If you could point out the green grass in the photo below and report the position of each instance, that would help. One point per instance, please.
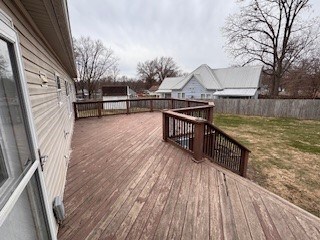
(285, 155)
(299, 134)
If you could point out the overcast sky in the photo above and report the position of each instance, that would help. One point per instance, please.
(139, 30)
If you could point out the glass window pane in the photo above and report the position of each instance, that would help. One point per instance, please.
(26, 220)
(14, 145)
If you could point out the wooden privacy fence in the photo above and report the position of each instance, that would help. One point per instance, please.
(201, 138)
(110, 107)
(290, 108)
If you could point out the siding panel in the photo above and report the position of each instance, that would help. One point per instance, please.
(193, 90)
(51, 120)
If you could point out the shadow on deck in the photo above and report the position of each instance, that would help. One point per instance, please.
(125, 182)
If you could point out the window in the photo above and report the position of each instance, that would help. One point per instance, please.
(15, 156)
(182, 95)
(203, 96)
(208, 96)
(58, 82)
(68, 97)
(67, 88)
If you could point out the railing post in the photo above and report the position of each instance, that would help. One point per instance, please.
(99, 109)
(128, 107)
(165, 126)
(244, 162)
(198, 140)
(151, 105)
(210, 117)
(188, 103)
(75, 111)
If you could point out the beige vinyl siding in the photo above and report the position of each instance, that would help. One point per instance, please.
(51, 119)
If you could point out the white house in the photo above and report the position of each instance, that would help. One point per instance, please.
(207, 83)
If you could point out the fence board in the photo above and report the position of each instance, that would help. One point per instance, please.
(290, 108)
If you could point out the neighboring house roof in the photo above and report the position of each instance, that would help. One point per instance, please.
(243, 92)
(217, 79)
(132, 93)
(52, 19)
(205, 77)
(168, 83)
(239, 77)
(114, 90)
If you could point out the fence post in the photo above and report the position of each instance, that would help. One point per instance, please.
(151, 105)
(128, 107)
(75, 111)
(244, 162)
(165, 125)
(99, 109)
(172, 103)
(198, 140)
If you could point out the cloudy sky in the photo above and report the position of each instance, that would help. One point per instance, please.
(139, 30)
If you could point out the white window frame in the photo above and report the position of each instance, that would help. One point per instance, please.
(208, 95)
(181, 95)
(203, 96)
(9, 34)
(68, 90)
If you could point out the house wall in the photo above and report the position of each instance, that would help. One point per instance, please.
(53, 120)
(193, 90)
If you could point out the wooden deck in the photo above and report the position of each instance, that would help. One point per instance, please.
(124, 182)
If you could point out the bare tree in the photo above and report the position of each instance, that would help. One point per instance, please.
(272, 32)
(115, 72)
(147, 72)
(94, 61)
(166, 67)
(303, 80)
(154, 71)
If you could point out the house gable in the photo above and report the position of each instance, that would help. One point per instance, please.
(192, 89)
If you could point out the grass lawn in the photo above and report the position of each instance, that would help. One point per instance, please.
(285, 157)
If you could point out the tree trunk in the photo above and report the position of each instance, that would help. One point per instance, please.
(82, 90)
(275, 85)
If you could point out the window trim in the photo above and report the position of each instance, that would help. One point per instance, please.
(59, 88)
(181, 95)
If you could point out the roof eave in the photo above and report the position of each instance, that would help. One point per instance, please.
(55, 33)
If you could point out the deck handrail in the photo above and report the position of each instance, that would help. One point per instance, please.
(121, 106)
(201, 138)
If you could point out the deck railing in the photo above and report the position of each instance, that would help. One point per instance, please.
(109, 107)
(197, 135)
(188, 124)
(224, 150)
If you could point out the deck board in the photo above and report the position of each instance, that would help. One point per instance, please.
(124, 182)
